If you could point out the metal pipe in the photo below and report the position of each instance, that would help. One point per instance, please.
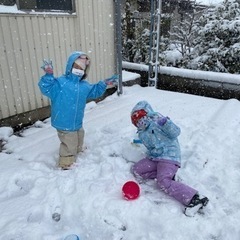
(119, 43)
(150, 71)
(154, 65)
(157, 64)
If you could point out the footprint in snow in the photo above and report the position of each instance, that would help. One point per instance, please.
(35, 215)
(25, 185)
(114, 222)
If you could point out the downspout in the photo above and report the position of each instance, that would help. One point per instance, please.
(118, 37)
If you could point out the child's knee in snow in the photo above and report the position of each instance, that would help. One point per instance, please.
(164, 184)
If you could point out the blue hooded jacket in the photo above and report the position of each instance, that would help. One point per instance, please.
(160, 140)
(69, 94)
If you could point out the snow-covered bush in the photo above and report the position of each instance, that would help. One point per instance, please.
(217, 48)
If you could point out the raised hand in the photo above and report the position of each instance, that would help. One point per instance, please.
(47, 66)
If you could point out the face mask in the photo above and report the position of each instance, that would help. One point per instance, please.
(77, 72)
(143, 123)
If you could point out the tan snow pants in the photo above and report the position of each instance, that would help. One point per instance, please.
(71, 144)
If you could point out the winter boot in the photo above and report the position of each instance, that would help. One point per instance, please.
(65, 163)
(196, 205)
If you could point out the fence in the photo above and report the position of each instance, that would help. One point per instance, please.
(208, 84)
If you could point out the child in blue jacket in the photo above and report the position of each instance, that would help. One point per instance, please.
(159, 135)
(69, 94)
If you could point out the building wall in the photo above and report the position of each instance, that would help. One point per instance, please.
(28, 38)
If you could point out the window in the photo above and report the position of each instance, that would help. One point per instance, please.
(47, 5)
(8, 2)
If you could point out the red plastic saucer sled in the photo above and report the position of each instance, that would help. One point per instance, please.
(130, 190)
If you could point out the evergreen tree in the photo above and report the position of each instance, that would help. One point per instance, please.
(217, 46)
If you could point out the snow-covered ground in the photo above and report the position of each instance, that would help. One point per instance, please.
(89, 197)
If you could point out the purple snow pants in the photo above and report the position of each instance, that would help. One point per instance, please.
(164, 172)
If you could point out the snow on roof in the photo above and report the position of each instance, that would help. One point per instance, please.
(9, 9)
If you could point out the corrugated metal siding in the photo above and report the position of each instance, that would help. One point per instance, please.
(96, 34)
(26, 39)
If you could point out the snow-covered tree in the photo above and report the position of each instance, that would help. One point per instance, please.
(127, 32)
(135, 37)
(183, 34)
(181, 17)
(217, 46)
(141, 45)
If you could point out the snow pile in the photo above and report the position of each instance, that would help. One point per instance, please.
(5, 133)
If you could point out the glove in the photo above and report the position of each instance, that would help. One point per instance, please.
(161, 121)
(47, 66)
(113, 80)
(158, 118)
(137, 141)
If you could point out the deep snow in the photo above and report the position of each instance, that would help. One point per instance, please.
(89, 196)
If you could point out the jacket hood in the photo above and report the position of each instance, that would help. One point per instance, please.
(143, 105)
(72, 58)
